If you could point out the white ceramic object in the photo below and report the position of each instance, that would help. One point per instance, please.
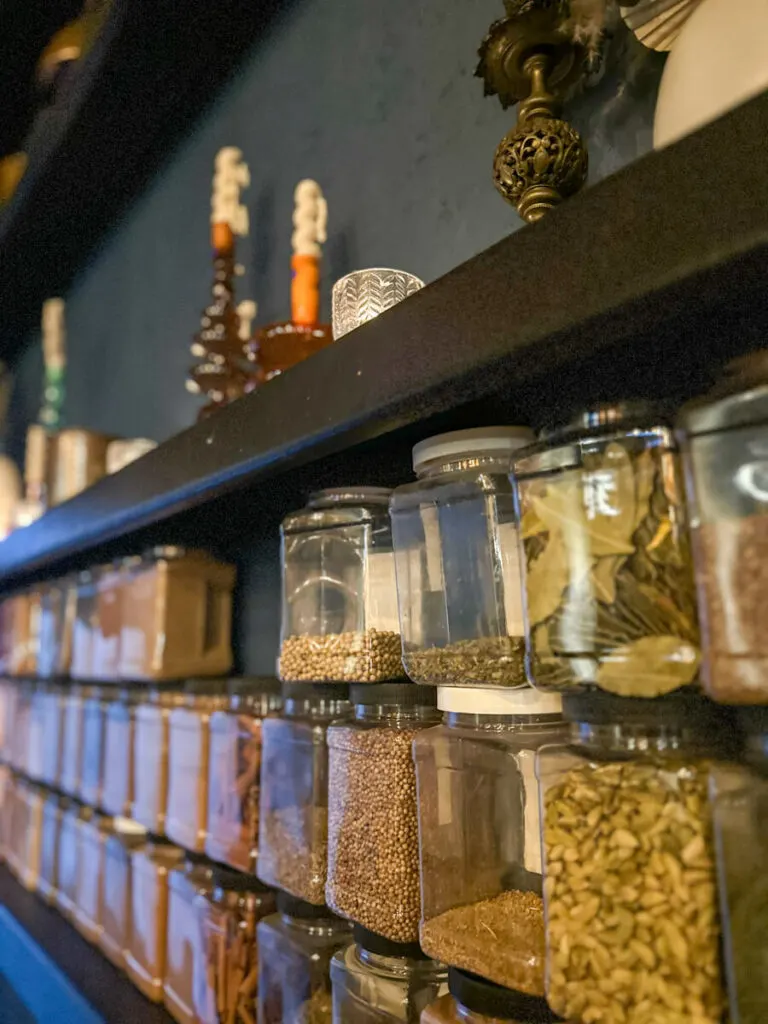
(719, 60)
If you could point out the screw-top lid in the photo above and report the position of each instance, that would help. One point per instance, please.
(496, 700)
(378, 944)
(303, 691)
(206, 687)
(739, 398)
(605, 418)
(127, 827)
(681, 709)
(409, 695)
(253, 686)
(235, 881)
(483, 997)
(470, 442)
(355, 495)
(303, 911)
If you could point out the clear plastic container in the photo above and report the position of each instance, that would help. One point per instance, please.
(610, 600)
(373, 841)
(176, 611)
(84, 626)
(105, 653)
(293, 810)
(24, 633)
(295, 950)
(378, 982)
(479, 832)
(632, 923)
(119, 722)
(95, 700)
(188, 762)
(7, 711)
(473, 1000)
(72, 743)
(728, 490)
(339, 620)
(457, 555)
(150, 758)
(69, 856)
(145, 955)
(234, 777)
(116, 906)
(58, 607)
(230, 912)
(185, 970)
(19, 741)
(8, 780)
(27, 826)
(35, 752)
(48, 882)
(89, 900)
(52, 700)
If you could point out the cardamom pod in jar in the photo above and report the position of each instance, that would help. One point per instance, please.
(609, 588)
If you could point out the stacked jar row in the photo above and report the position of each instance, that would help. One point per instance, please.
(162, 616)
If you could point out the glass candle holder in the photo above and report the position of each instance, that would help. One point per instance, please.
(363, 294)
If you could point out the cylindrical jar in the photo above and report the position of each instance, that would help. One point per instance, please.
(58, 605)
(116, 906)
(188, 763)
(52, 699)
(145, 955)
(232, 831)
(457, 555)
(88, 915)
(373, 840)
(85, 625)
(295, 949)
(293, 809)
(95, 701)
(473, 1000)
(630, 892)
(185, 959)
(727, 441)
(339, 619)
(48, 882)
(379, 982)
(610, 601)
(479, 832)
(119, 721)
(150, 758)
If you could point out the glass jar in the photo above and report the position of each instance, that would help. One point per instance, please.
(185, 967)
(339, 621)
(473, 1000)
(293, 809)
(85, 625)
(95, 700)
(58, 605)
(457, 554)
(230, 911)
(188, 758)
(28, 831)
(150, 759)
(176, 616)
(232, 830)
(375, 981)
(35, 752)
(88, 915)
(629, 891)
(119, 720)
(105, 653)
(47, 883)
(727, 435)
(373, 840)
(610, 601)
(295, 949)
(72, 743)
(52, 699)
(479, 833)
(125, 837)
(69, 856)
(145, 955)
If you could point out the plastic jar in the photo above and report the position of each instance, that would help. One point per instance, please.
(24, 633)
(185, 959)
(69, 856)
(119, 720)
(146, 952)
(375, 981)
(105, 654)
(19, 740)
(457, 554)
(58, 604)
(373, 840)
(176, 616)
(473, 1000)
(52, 700)
(339, 619)
(35, 752)
(27, 833)
(116, 906)
(7, 703)
(728, 490)
(610, 601)
(230, 912)
(150, 758)
(88, 914)
(95, 700)
(72, 741)
(85, 625)
(630, 892)
(479, 832)
(234, 776)
(47, 883)
(295, 949)
(293, 810)
(188, 763)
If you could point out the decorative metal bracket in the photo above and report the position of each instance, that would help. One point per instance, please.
(528, 58)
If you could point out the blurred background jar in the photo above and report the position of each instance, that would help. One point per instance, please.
(119, 723)
(457, 555)
(339, 617)
(72, 741)
(479, 832)
(95, 702)
(185, 959)
(610, 601)
(150, 757)
(85, 625)
(58, 605)
(125, 837)
(48, 882)
(35, 753)
(88, 914)
(473, 1000)
(52, 700)
(69, 856)
(27, 830)
(19, 739)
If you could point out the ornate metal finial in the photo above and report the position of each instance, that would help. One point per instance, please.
(528, 58)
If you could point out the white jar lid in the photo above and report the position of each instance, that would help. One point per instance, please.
(128, 827)
(496, 700)
(470, 442)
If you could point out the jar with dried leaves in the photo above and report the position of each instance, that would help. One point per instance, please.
(455, 535)
(479, 834)
(339, 616)
(295, 949)
(727, 458)
(632, 922)
(610, 600)
(473, 1000)
(293, 810)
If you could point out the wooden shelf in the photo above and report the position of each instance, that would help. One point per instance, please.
(643, 285)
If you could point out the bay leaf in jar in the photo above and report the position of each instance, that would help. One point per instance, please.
(655, 664)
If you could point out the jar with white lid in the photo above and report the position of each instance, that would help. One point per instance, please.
(150, 757)
(473, 1000)
(339, 603)
(479, 833)
(125, 836)
(456, 543)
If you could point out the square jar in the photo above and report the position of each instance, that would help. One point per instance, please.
(84, 626)
(119, 730)
(35, 752)
(95, 702)
(116, 903)
(52, 699)
(105, 646)
(185, 970)
(58, 606)
(150, 758)
(72, 743)
(22, 711)
(48, 882)
(69, 857)
(89, 901)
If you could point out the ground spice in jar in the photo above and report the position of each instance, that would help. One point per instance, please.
(501, 939)
(293, 851)
(361, 657)
(485, 661)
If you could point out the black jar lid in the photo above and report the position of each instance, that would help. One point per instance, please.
(408, 695)
(303, 911)
(235, 881)
(301, 691)
(685, 707)
(490, 1000)
(253, 686)
(213, 687)
(606, 418)
(372, 942)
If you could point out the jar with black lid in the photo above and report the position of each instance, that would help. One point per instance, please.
(473, 1000)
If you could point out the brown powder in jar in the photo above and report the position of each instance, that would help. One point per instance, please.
(501, 939)
(293, 851)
